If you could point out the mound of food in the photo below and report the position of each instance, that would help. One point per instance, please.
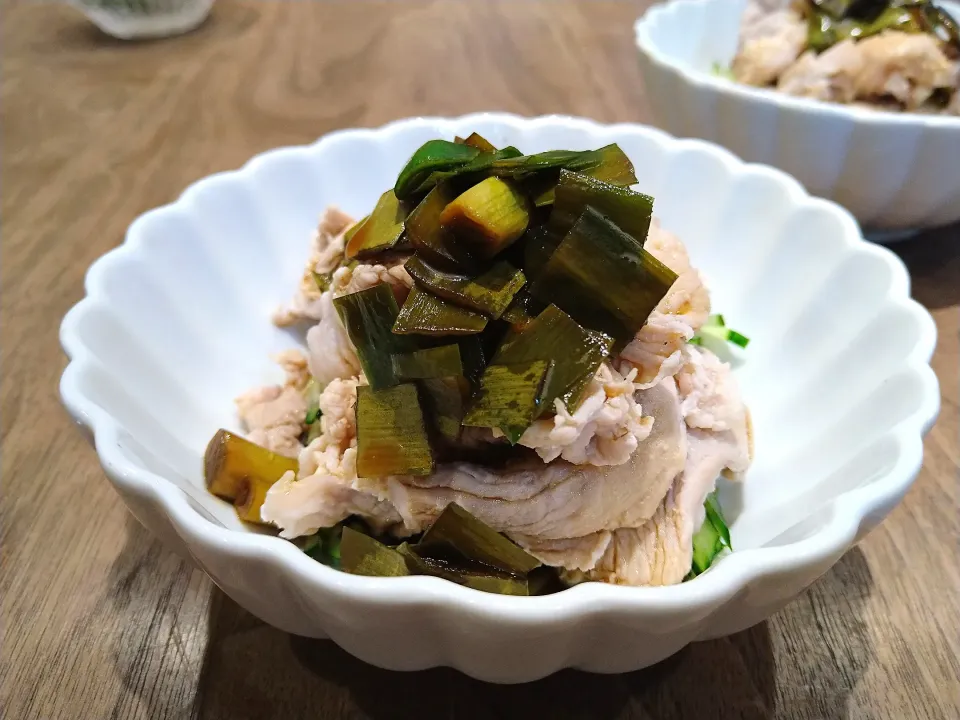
(507, 383)
(888, 54)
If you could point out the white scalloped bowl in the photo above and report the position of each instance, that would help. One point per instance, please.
(893, 171)
(176, 323)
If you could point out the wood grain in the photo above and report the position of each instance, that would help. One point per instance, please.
(100, 621)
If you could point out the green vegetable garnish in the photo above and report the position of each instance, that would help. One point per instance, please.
(391, 433)
(472, 356)
(429, 239)
(474, 171)
(832, 22)
(578, 161)
(603, 278)
(444, 401)
(575, 351)
(480, 143)
(717, 329)
(362, 555)
(380, 231)
(722, 71)
(369, 317)
(489, 216)
(478, 579)
(628, 210)
(323, 546)
(489, 293)
(311, 394)
(712, 537)
(426, 314)
(458, 533)
(509, 397)
(614, 168)
(432, 156)
(521, 312)
(437, 362)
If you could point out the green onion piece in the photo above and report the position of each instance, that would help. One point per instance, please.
(545, 580)
(489, 216)
(521, 312)
(614, 168)
(712, 537)
(391, 434)
(722, 71)
(369, 316)
(630, 211)
(362, 555)
(426, 314)
(472, 356)
(457, 532)
(490, 293)
(311, 394)
(473, 172)
(712, 508)
(434, 362)
(380, 231)
(824, 31)
(427, 235)
(433, 155)
(509, 397)
(353, 230)
(706, 546)
(603, 278)
(323, 546)
(444, 401)
(716, 329)
(476, 578)
(576, 353)
(480, 143)
(526, 165)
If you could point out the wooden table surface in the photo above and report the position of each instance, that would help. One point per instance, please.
(100, 621)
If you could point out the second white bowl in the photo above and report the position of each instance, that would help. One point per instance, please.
(892, 171)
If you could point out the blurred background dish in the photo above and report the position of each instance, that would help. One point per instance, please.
(896, 172)
(142, 19)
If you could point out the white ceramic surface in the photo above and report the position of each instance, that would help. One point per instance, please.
(176, 323)
(893, 171)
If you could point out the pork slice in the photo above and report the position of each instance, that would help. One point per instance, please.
(326, 252)
(660, 551)
(655, 351)
(558, 500)
(605, 429)
(274, 417)
(769, 44)
(323, 493)
(348, 280)
(907, 66)
(331, 355)
(828, 76)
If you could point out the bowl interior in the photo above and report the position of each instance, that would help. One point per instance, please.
(180, 321)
